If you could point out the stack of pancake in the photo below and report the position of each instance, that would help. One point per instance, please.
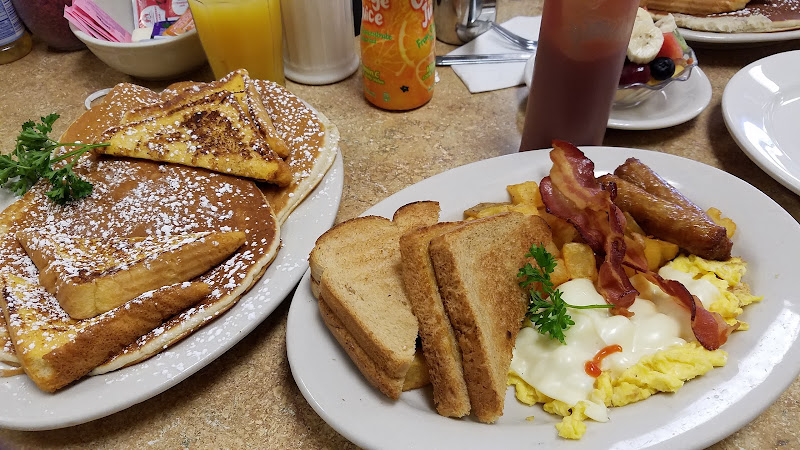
(234, 155)
(729, 16)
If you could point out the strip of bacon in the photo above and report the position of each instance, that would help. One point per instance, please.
(709, 328)
(572, 193)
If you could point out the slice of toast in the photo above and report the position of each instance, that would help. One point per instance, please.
(476, 268)
(439, 342)
(214, 132)
(92, 276)
(237, 82)
(356, 274)
(55, 350)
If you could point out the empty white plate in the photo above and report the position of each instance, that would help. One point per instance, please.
(761, 107)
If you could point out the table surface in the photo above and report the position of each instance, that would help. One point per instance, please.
(247, 397)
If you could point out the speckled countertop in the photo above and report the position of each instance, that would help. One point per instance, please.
(247, 397)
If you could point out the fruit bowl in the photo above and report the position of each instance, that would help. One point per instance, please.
(632, 94)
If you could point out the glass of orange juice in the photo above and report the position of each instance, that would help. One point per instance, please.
(241, 34)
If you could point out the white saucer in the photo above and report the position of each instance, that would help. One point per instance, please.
(761, 107)
(677, 103)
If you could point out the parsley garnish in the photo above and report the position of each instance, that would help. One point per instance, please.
(32, 160)
(547, 310)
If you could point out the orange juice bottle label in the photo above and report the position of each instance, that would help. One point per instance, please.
(397, 52)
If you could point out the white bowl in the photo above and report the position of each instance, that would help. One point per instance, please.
(155, 59)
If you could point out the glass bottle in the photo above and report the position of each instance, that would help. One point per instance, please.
(15, 41)
(397, 53)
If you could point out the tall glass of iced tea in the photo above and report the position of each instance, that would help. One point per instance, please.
(581, 51)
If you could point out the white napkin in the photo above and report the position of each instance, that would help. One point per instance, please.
(489, 77)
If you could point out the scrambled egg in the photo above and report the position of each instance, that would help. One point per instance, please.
(727, 277)
(664, 371)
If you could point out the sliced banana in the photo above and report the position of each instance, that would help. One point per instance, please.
(646, 41)
(667, 24)
(643, 16)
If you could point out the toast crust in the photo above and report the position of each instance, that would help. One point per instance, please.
(439, 342)
(476, 269)
(390, 386)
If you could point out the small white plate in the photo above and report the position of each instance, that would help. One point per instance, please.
(24, 407)
(762, 361)
(761, 107)
(678, 102)
(707, 37)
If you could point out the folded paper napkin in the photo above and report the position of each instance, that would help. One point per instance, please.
(489, 77)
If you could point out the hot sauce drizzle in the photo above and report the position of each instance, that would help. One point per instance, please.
(592, 367)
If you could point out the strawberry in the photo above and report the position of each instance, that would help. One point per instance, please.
(671, 48)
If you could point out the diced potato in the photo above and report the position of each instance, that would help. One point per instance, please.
(716, 216)
(579, 260)
(658, 252)
(631, 225)
(668, 251)
(563, 231)
(473, 213)
(525, 193)
(525, 208)
(417, 375)
(492, 210)
(560, 273)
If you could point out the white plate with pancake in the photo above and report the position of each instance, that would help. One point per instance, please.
(23, 406)
(763, 361)
(761, 107)
(707, 37)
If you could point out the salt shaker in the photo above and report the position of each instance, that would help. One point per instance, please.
(318, 45)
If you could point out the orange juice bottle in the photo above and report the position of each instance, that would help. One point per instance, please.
(397, 52)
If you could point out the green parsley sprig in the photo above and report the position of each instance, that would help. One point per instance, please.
(547, 310)
(32, 160)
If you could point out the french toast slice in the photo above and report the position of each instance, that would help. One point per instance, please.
(476, 268)
(90, 276)
(238, 83)
(56, 350)
(7, 353)
(213, 132)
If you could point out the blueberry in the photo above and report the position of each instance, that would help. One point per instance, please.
(662, 68)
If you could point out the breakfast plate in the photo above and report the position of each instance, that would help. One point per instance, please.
(762, 361)
(761, 104)
(711, 38)
(25, 407)
(673, 105)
